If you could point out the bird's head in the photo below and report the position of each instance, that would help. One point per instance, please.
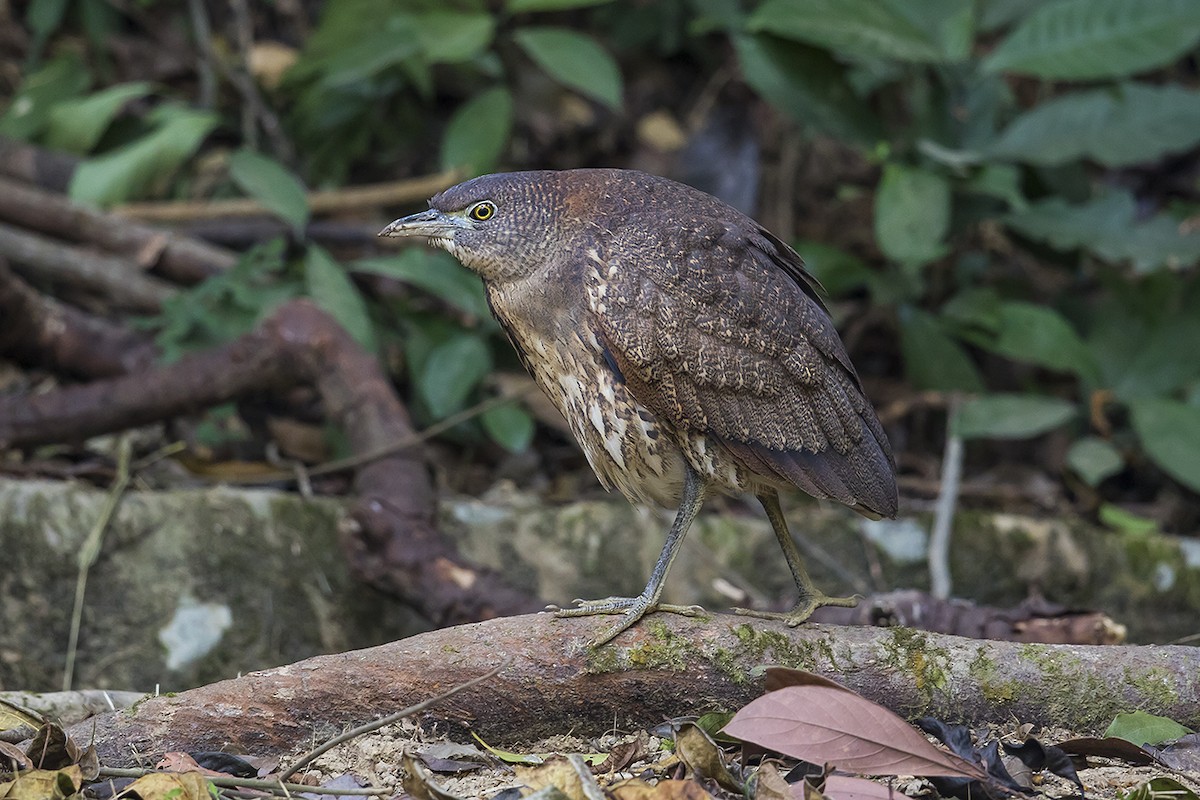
(503, 226)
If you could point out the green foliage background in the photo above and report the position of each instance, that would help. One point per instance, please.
(1066, 130)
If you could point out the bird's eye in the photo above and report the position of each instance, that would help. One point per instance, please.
(482, 211)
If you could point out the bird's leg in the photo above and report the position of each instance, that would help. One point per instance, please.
(634, 608)
(811, 598)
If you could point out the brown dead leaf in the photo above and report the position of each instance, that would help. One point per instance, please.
(779, 677)
(169, 786)
(834, 726)
(1110, 747)
(51, 748)
(703, 757)
(43, 784)
(569, 774)
(624, 754)
(845, 787)
(635, 789)
(12, 758)
(769, 784)
(419, 783)
(13, 716)
(269, 61)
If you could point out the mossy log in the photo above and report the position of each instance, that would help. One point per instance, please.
(667, 666)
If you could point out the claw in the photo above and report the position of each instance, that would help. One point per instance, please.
(631, 608)
(803, 609)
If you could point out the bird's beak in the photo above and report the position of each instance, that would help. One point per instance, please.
(432, 224)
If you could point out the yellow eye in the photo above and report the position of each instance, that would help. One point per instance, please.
(482, 211)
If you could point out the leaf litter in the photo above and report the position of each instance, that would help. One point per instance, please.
(691, 760)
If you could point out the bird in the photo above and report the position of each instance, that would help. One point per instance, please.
(687, 347)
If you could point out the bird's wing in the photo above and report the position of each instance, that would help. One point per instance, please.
(717, 330)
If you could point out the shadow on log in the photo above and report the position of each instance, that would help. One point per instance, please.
(667, 666)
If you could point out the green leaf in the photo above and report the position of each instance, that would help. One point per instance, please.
(1158, 789)
(145, 165)
(932, 359)
(1011, 416)
(996, 14)
(1142, 728)
(29, 110)
(450, 37)
(451, 371)
(333, 291)
(1094, 459)
(1170, 433)
(1088, 39)
(1119, 126)
(77, 125)
(808, 85)
(1108, 227)
(44, 18)
(521, 6)
(950, 24)
(837, 271)
(912, 214)
(574, 60)
(1040, 335)
(1126, 522)
(1139, 353)
(866, 29)
(365, 57)
(478, 132)
(435, 272)
(273, 185)
(510, 426)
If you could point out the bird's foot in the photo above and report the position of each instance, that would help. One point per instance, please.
(631, 608)
(803, 610)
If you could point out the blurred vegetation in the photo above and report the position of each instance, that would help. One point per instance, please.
(1034, 180)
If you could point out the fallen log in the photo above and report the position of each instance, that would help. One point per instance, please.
(667, 666)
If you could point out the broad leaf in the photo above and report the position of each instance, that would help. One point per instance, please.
(808, 85)
(144, 165)
(867, 29)
(932, 359)
(1170, 432)
(510, 426)
(1088, 39)
(435, 272)
(331, 289)
(1108, 226)
(452, 36)
(77, 125)
(1011, 416)
(478, 132)
(1139, 353)
(912, 214)
(1161, 788)
(520, 6)
(273, 185)
(575, 60)
(1040, 335)
(365, 57)
(28, 110)
(834, 726)
(1142, 728)
(451, 371)
(1094, 459)
(839, 272)
(1121, 126)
